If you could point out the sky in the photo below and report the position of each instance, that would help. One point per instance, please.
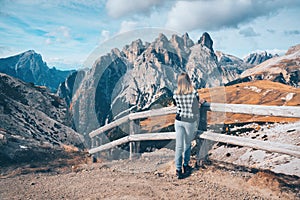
(66, 33)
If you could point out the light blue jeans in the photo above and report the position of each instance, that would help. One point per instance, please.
(185, 133)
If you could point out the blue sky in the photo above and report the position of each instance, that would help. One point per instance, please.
(66, 33)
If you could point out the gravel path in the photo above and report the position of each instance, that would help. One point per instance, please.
(149, 177)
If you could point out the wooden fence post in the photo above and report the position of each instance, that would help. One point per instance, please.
(134, 147)
(93, 143)
(138, 144)
(202, 150)
(93, 146)
(131, 144)
(203, 116)
(97, 143)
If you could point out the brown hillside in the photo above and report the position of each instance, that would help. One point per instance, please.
(262, 92)
(258, 93)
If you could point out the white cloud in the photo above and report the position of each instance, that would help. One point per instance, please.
(5, 51)
(128, 26)
(64, 63)
(48, 41)
(74, 28)
(105, 35)
(74, 4)
(60, 34)
(248, 32)
(120, 8)
(217, 14)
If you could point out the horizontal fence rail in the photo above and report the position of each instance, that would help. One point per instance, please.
(280, 111)
(253, 143)
(239, 141)
(134, 116)
(134, 138)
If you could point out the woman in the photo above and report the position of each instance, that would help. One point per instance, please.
(187, 115)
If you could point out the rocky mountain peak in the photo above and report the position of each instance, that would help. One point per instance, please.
(283, 69)
(162, 37)
(175, 37)
(29, 52)
(187, 41)
(177, 42)
(258, 57)
(183, 42)
(116, 52)
(133, 50)
(30, 67)
(33, 61)
(231, 66)
(293, 49)
(29, 55)
(160, 51)
(186, 35)
(160, 42)
(206, 40)
(137, 43)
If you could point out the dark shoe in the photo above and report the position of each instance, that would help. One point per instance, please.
(207, 162)
(179, 174)
(200, 165)
(187, 169)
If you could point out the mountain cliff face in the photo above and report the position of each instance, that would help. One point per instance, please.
(30, 67)
(284, 69)
(142, 76)
(231, 66)
(31, 120)
(69, 86)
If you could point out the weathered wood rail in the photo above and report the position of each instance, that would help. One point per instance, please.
(281, 111)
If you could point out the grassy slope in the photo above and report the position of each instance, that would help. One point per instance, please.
(259, 93)
(262, 92)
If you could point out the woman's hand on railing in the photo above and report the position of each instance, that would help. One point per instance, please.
(201, 101)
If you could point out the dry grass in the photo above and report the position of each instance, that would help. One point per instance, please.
(262, 92)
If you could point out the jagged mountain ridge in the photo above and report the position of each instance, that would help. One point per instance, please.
(231, 66)
(32, 121)
(30, 67)
(283, 69)
(140, 75)
(258, 57)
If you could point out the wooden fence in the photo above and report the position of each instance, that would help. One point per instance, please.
(134, 136)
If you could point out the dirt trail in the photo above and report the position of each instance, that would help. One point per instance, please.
(149, 177)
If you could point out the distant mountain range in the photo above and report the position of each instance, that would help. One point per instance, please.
(283, 69)
(257, 58)
(30, 67)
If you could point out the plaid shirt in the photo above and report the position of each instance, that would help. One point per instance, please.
(187, 106)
